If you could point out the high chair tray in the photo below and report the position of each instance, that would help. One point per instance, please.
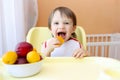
(69, 68)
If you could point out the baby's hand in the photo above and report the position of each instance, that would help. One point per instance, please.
(53, 43)
(79, 53)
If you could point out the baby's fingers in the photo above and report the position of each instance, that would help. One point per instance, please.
(77, 54)
(83, 55)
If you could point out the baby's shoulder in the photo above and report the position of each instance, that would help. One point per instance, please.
(73, 39)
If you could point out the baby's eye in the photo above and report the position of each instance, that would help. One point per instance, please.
(66, 22)
(56, 23)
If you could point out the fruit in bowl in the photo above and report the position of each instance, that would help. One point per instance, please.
(33, 56)
(23, 48)
(9, 57)
(21, 60)
(24, 61)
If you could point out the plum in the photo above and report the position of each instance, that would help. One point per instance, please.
(21, 60)
(23, 48)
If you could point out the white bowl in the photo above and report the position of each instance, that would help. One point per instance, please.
(23, 70)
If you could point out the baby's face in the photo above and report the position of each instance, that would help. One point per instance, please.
(61, 25)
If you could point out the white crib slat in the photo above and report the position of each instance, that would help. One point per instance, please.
(106, 38)
(89, 49)
(115, 52)
(102, 51)
(96, 51)
(101, 39)
(92, 50)
(96, 48)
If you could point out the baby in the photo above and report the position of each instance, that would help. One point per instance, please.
(62, 24)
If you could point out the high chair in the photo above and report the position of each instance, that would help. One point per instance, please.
(37, 35)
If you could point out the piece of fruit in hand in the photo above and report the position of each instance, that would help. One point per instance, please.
(60, 39)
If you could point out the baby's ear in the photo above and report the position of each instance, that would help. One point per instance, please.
(52, 35)
(74, 28)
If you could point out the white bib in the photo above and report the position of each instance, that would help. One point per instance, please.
(67, 49)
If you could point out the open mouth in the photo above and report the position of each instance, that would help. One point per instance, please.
(62, 34)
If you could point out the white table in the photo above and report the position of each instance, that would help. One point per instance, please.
(69, 68)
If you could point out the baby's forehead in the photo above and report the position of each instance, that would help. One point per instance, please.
(62, 14)
(60, 17)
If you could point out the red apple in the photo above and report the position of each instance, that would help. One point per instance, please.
(21, 60)
(23, 48)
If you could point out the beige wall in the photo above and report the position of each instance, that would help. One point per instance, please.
(96, 16)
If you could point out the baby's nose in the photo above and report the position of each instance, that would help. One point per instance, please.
(61, 26)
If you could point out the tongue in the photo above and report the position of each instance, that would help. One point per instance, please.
(62, 35)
